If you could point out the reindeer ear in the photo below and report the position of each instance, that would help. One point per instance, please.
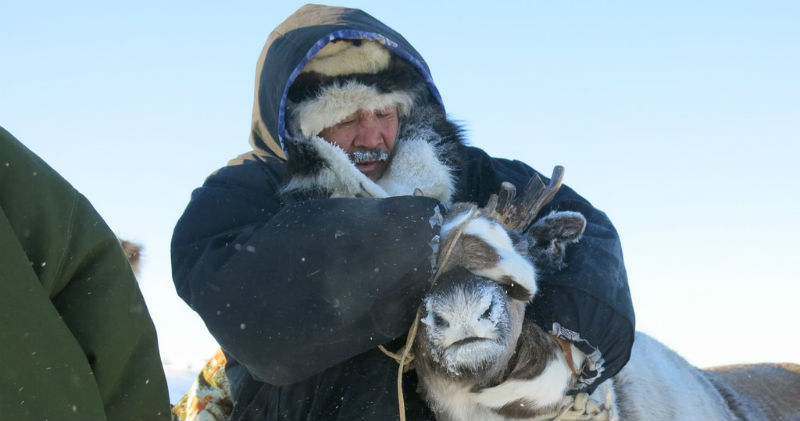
(549, 237)
(563, 227)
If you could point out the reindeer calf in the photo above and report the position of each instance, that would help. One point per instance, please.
(477, 356)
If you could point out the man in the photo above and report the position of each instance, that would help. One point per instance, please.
(306, 253)
(76, 340)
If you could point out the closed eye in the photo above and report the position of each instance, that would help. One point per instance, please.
(385, 113)
(440, 321)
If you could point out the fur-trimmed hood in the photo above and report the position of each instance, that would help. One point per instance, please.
(324, 63)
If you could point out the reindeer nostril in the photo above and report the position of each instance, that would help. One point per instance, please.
(488, 311)
(440, 321)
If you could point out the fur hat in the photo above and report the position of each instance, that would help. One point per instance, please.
(348, 75)
(344, 77)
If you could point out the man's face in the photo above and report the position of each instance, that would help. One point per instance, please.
(366, 131)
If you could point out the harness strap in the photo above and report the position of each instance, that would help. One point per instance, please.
(566, 348)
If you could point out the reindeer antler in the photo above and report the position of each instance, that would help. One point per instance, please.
(516, 215)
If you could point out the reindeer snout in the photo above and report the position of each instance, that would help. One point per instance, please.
(466, 316)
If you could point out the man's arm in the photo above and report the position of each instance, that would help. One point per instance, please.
(77, 340)
(289, 290)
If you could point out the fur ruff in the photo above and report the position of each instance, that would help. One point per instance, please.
(414, 164)
(339, 100)
(336, 175)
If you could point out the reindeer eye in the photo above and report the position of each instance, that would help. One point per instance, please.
(440, 321)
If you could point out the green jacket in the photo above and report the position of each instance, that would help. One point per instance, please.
(76, 340)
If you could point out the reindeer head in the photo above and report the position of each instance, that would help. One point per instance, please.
(467, 325)
(472, 316)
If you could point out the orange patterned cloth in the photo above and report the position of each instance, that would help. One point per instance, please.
(209, 398)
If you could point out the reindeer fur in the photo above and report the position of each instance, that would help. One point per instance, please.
(478, 357)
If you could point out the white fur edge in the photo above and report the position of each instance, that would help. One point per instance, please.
(491, 232)
(405, 174)
(513, 266)
(453, 221)
(546, 389)
(343, 57)
(457, 402)
(415, 164)
(337, 101)
(342, 178)
(511, 263)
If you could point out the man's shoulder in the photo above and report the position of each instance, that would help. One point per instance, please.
(481, 175)
(478, 156)
(504, 169)
(250, 170)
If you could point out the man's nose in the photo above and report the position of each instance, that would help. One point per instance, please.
(369, 132)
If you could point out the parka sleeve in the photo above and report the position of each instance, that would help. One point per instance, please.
(77, 341)
(289, 290)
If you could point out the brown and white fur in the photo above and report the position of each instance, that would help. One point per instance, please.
(658, 384)
(477, 357)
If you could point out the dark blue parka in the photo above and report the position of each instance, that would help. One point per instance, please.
(299, 294)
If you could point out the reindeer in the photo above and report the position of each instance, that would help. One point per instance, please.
(477, 357)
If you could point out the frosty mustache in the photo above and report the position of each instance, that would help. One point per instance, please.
(364, 156)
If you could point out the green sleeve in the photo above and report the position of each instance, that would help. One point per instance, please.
(76, 341)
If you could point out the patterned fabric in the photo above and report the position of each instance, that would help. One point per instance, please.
(209, 398)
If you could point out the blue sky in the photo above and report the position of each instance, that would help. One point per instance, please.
(680, 120)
